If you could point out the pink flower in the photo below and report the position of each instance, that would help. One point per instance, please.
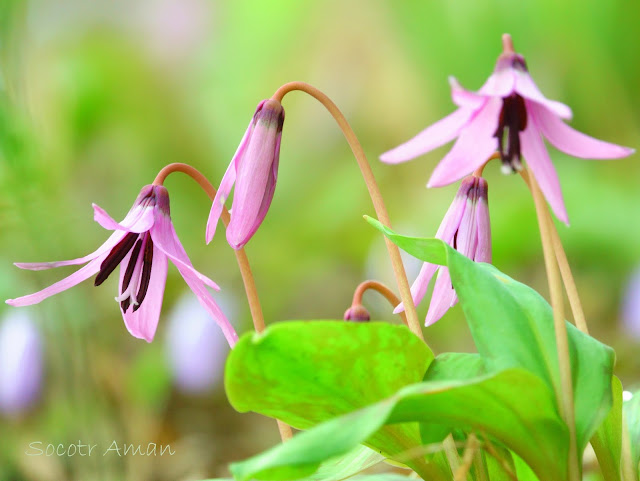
(142, 242)
(508, 114)
(254, 171)
(466, 228)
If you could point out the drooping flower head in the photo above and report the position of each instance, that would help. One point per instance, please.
(141, 244)
(20, 363)
(254, 171)
(508, 114)
(467, 229)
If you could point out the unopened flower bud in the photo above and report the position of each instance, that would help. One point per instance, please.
(357, 313)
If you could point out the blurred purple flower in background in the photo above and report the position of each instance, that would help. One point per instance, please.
(196, 349)
(20, 363)
(631, 304)
(467, 229)
(508, 114)
(254, 171)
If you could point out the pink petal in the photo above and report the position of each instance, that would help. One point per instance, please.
(164, 236)
(539, 163)
(465, 98)
(466, 239)
(255, 172)
(139, 219)
(420, 285)
(474, 146)
(526, 87)
(144, 322)
(571, 141)
(443, 298)
(443, 131)
(483, 251)
(77, 277)
(106, 247)
(222, 194)
(501, 83)
(446, 231)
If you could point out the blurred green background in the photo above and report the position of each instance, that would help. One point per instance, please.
(96, 97)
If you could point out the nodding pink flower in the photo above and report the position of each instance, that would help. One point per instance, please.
(466, 228)
(508, 114)
(142, 243)
(254, 171)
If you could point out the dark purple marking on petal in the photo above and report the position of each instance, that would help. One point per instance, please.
(512, 121)
(147, 259)
(131, 266)
(115, 257)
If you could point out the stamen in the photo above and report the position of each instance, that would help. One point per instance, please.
(131, 266)
(147, 259)
(512, 121)
(115, 257)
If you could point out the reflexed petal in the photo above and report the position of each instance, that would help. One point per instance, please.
(443, 131)
(77, 277)
(483, 251)
(139, 219)
(526, 87)
(104, 248)
(144, 321)
(443, 298)
(463, 97)
(571, 141)
(164, 236)
(420, 285)
(537, 157)
(474, 146)
(222, 194)
(501, 83)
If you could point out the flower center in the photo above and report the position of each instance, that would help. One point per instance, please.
(512, 121)
(135, 282)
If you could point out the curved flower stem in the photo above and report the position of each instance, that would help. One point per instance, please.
(564, 392)
(567, 278)
(374, 193)
(241, 257)
(479, 170)
(382, 289)
(565, 271)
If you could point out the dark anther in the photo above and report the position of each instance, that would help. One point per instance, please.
(512, 121)
(115, 257)
(147, 259)
(131, 266)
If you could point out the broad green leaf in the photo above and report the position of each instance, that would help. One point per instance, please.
(346, 466)
(528, 424)
(512, 326)
(455, 366)
(306, 372)
(607, 442)
(449, 366)
(632, 418)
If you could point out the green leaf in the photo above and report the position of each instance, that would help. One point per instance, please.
(306, 372)
(449, 366)
(632, 418)
(512, 326)
(528, 424)
(607, 442)
(353, 462)
(418, 247)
